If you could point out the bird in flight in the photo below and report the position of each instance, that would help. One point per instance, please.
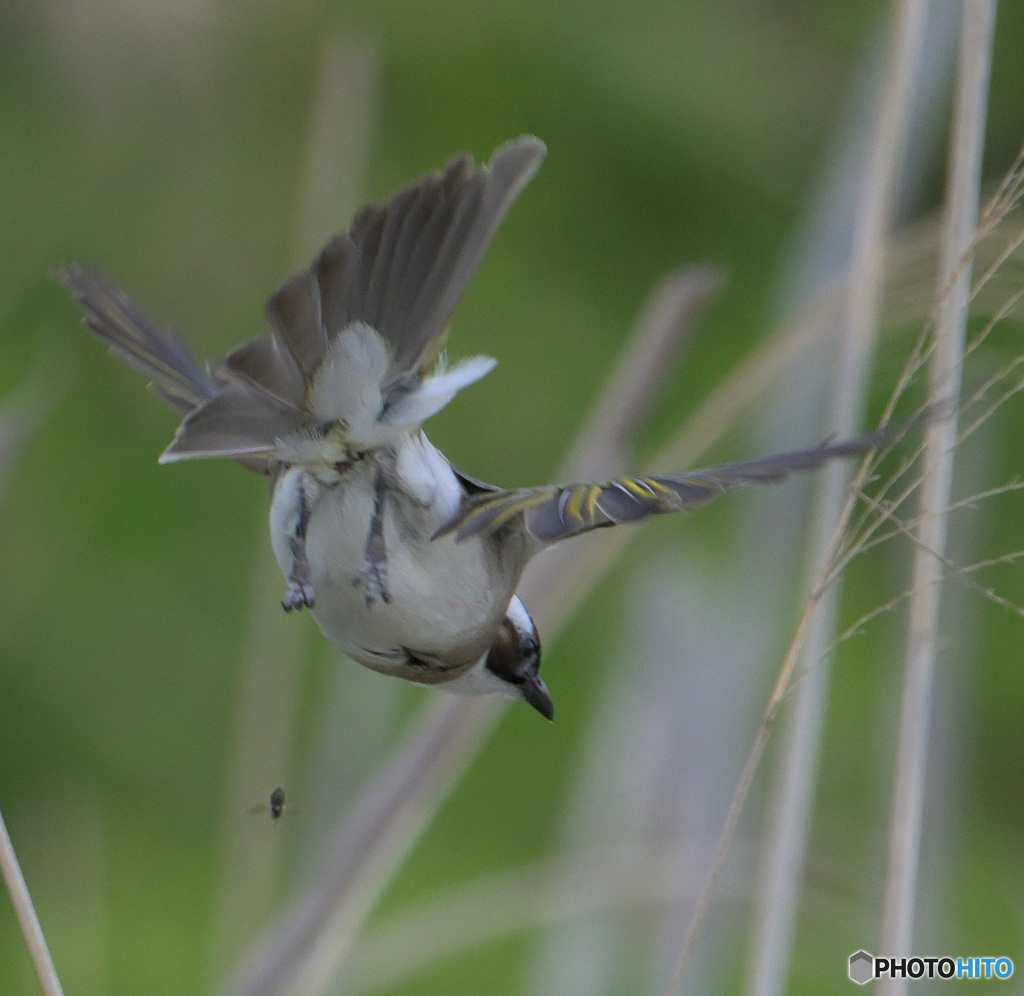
(406, 563)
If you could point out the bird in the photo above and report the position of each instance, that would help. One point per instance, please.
(406, 563)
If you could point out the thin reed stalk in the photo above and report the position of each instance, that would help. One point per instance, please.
(26, 913)
(940, 445)
(791, 805)
(20, 416)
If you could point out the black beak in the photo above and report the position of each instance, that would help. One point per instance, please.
(536, 693)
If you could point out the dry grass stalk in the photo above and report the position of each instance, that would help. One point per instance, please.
(26, 914)
(940, 444)
(20, 417)
(791, 805)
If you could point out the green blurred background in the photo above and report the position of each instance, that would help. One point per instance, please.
(168, 145)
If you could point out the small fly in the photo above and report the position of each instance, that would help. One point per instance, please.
(277, 805)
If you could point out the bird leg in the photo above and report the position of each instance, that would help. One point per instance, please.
(300, 592)
(374, 574)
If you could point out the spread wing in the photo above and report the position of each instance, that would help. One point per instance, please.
(116, 320)
(403, 266)
(237, 409)
(398, 274)
(554, 513)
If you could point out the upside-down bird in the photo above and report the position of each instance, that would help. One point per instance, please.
(407, 564)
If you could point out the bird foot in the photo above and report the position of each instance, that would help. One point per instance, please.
(300, 595)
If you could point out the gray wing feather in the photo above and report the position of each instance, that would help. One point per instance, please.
(267, 363)
(442, 277)
(554, 513)
(111, 316)
(294, 313)
(400, 269)
(238, 410)
(404, 265)
(241, 420)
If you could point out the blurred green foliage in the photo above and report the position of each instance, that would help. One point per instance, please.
(165, 145)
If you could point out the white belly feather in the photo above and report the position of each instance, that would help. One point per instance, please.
(444, 598)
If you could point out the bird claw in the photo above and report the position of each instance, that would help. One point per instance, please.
(300, 595)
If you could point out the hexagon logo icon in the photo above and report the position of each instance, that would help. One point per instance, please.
(861, 967)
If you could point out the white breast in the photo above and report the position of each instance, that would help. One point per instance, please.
(446, 599)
